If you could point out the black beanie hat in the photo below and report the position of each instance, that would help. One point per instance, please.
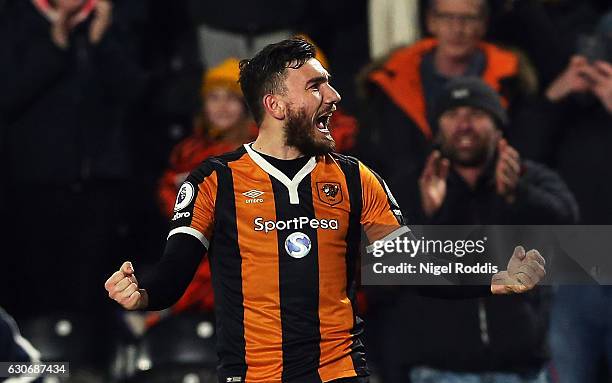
(470, 91)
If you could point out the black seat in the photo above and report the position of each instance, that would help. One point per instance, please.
(84, 341)
(178, 349)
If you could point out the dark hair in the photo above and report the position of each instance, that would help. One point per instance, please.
(265, 73)
(484, 7)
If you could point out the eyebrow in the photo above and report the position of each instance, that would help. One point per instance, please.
(317, 80)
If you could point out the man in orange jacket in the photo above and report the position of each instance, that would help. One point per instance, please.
(401, 90)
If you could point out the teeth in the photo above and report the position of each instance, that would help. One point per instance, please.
(322, 127)
(322, 122)
(465, 141)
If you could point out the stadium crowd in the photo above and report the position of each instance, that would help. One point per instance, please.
(106, 106)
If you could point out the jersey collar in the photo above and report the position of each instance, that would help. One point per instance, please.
(291, 185)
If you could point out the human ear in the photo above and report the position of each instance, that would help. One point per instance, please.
(274, 106)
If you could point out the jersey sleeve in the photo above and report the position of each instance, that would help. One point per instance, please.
(381, 216)
(194, 208)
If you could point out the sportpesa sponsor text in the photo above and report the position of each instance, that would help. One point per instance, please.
(298, 223)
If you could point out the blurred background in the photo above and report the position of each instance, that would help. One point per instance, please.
(106, 106)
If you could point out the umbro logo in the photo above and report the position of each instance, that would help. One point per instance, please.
(253, 193)
(253, 196)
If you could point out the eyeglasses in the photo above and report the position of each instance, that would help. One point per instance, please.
(458, 17)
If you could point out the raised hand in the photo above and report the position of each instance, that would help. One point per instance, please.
(101, 21)
(64, 17)
(601, 74)
(507, 171)
(432, 183)
(60, 29)
(572, 80)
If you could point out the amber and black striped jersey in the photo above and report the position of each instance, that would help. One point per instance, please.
(283, 256)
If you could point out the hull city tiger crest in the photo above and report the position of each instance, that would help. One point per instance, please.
(330, 192)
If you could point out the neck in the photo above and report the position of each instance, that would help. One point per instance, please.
(470, 174)
(273, 144)
(451, 66)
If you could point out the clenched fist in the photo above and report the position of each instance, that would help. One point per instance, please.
(122, 287)
(525, 270)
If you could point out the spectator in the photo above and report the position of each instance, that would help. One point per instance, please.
(477, 171)
(570, 103)
(578, 144)
(222, 125)
(577, 133)
(68, 78)
(477, 178)
(400, 92)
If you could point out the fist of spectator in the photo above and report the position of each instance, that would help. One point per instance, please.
(101, 21)
(122, 287)
(525, 271)
(507, 171)
(432, 183)
(572, 80)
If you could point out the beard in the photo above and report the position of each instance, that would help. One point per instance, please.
(301, 133)
(475, 157)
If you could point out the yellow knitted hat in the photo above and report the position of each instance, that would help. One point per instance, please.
(224, 75)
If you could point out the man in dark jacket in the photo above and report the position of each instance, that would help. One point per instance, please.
(581, 131)
(68, 77)
(477, 178)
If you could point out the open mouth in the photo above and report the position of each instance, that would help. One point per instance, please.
(322, 122)
(465, 141)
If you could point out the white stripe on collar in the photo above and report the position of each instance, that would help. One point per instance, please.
(291, 185)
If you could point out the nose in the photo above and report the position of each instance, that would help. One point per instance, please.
(332, 96)
(463, 121)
